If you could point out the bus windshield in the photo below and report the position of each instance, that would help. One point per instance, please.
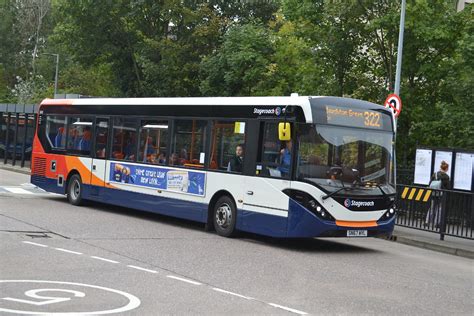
(334, 157)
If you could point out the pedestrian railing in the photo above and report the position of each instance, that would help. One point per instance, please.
(446, 212)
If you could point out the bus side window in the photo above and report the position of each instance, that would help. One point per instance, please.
(56, 131)
(188, 143)
(275, 157)
(124, 139)
(79, 136)
(101, 136)
(227, 146)
(153, 143)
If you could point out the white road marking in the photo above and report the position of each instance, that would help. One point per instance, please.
(288, 309)
(34, 244)
(231, 293)
(69, 251)
(28, 185)
(18, 190)
(103, 259)
(133, 301)
(184, 280)
(142, 269)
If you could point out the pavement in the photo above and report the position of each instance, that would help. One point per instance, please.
(102, 259)
(428, 240)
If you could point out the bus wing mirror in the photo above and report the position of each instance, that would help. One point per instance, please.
(284, 131)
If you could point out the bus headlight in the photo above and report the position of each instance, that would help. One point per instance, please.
(389, 213)
(319, 211)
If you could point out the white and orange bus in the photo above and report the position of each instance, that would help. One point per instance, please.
(278, 166)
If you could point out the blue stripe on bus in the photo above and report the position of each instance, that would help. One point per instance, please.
(47, 184)
(263, 224)
(145, 202)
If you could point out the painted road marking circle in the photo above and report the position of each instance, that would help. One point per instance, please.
(47, 296)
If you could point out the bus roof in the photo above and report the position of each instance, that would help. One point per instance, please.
(308, 104)
(231, 101)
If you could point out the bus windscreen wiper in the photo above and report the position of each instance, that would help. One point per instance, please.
(360, 183)
(337, 191)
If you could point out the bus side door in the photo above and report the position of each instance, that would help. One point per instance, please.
(99, 162)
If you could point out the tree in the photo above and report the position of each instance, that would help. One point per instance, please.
(239, 65)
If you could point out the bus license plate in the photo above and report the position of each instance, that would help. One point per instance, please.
(357, 233)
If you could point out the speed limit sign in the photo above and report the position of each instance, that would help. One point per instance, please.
(394, 103)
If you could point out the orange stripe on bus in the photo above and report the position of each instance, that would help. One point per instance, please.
(356, 224)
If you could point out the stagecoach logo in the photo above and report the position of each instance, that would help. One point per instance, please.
(276, 111)
(348, 203)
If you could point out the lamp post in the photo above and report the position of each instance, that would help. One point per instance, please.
(56, 74)
(400, 48)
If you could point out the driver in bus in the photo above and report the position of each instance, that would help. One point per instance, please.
(285, 158)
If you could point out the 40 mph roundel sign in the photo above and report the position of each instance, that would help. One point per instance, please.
(394, 103)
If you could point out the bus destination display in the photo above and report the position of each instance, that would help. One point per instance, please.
(355, 117)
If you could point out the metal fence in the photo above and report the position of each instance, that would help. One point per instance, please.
(446, 212)
(17, 128)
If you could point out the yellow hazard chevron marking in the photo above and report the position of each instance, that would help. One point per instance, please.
(410, 193)
(405, 191)
(427, 195)
(420, 194)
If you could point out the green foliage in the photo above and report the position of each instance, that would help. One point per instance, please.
(226, 48)
(240, 64)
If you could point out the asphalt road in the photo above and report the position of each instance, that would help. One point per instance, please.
(99, 259)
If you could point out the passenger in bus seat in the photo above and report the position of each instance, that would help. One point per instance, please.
(236, 162)
(150, 149)
(85, 142)
(153, 159)
(59, 137)
(101, 153)
(183, 156)
(174, 159)
(162, 159)
(129, 149)
(74, 138)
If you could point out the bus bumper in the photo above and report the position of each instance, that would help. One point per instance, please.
(303, 223)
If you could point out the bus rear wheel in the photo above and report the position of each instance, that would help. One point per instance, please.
(74, 190)
(225, 217)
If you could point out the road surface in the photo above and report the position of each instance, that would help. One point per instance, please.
(100, 259)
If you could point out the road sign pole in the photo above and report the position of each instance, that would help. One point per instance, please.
(400, 48)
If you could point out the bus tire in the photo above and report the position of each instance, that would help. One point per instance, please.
(225, 216)
(74, 190)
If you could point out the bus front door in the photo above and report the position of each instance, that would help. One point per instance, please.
(99, 162)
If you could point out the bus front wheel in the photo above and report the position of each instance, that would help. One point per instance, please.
(225, 216)
(74, 190)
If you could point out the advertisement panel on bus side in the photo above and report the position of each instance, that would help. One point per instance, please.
(184, 181)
